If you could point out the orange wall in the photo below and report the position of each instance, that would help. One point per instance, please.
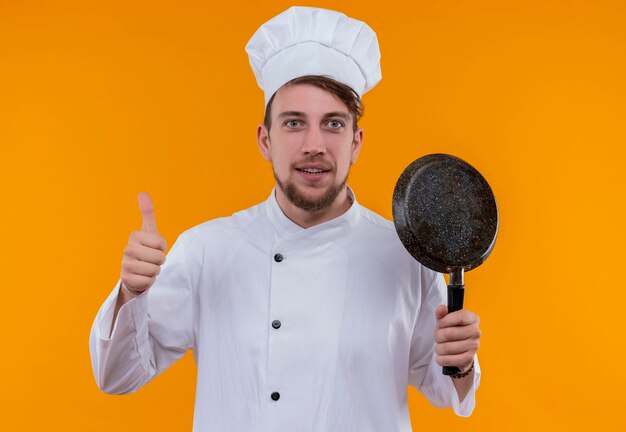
(101, 100)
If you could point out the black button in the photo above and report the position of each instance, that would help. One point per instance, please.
(276, 324)
(278, 257)
(275, 396)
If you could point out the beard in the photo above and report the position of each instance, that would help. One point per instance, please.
(303, 202)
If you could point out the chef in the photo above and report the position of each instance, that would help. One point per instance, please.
(303, 312)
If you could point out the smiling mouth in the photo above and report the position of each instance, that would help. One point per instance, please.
(312, 170)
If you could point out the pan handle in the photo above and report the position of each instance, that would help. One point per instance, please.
(456, 291)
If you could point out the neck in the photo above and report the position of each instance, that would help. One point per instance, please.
(308, 219)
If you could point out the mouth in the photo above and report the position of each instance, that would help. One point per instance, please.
(313, 174)
(312, 170)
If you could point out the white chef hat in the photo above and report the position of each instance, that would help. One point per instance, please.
(312, 41)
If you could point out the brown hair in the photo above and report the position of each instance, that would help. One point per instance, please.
(343, 92)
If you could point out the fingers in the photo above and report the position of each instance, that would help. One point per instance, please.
(143, 257)
(140, 268)
(144, 238)
(138, 283)
(441, 311)
(457, 337)
(147, 213)
(139, 275)
(145, 252)
(457, 347)
(452, 334)
(462, 361)
(459, 353)
(137, 251)
(461, 317)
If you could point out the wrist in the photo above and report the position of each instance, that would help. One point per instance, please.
(463, 374)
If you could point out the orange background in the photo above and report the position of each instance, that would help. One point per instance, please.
(101, 100)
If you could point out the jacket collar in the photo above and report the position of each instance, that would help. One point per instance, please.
(283, 226)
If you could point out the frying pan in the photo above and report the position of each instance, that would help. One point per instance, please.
(447, 218)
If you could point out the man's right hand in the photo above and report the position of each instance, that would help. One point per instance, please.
(145, 252)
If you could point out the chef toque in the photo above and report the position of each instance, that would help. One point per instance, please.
(312, 41)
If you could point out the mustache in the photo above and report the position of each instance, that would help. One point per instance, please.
(319, 163)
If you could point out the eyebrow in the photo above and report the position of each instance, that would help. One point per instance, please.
(340, 114)
(291, 114)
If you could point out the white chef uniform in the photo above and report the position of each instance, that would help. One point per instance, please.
(292, 329)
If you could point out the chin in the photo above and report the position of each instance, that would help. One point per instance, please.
(313, 202)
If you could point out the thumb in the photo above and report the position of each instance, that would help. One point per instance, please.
(147, 213)
(441, 311)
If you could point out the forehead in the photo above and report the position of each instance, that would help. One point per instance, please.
(308, 99)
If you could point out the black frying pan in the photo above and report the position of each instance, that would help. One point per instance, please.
(447, 218)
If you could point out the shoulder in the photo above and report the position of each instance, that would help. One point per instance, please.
(378, 228)
(377, 236)
(237, 225)
(375, 221)
(382, 239)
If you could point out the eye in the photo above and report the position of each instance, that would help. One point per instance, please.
(335, 124)
(292, 123)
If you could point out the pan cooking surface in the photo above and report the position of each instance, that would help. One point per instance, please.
(445, 213)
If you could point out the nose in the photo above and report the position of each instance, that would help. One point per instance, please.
(313, 143)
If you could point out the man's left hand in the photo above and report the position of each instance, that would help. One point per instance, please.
(457, 337)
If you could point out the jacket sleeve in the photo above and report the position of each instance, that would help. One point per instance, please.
(424, 372)
(151, 331)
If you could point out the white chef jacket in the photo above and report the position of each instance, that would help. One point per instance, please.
(317, 329)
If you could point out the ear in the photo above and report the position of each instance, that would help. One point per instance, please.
(263, 140)
(356, 145)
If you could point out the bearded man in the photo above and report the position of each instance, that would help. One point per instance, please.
(304, 312)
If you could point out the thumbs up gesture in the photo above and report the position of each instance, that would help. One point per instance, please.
(145, 252)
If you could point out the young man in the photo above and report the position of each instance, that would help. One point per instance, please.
(304, 312)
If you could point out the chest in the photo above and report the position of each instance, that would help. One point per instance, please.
(321, 300)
